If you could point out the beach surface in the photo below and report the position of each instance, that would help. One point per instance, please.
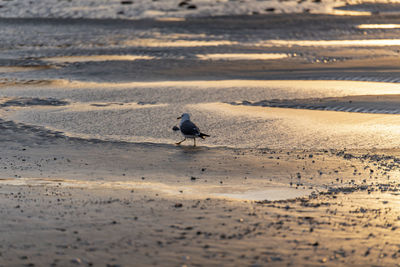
(68, 201)
(302, 166)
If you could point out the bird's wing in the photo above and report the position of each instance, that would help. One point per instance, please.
(189, 128)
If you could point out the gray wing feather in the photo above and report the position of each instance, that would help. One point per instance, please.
(189, 128)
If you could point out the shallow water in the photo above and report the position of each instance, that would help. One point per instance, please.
(130, 112)
(129, 80)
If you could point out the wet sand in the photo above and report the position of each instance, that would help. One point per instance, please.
(301, 167)
(115, 227)
(68, 201)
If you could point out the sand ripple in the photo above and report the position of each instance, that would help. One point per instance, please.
(381, 104)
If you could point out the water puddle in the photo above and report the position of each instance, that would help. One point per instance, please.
(28, 101)
(96, 58)
(170, 19)
(378, 26)
(370, 7)
(243, 126)
(258, 56)
(152, 42)
(338, 88)
(341, 12)
(269, 193)
(12, 69)
(327, 43)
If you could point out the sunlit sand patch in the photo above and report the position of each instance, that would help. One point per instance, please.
(96, 58)
(327, 43)
(227, 56)
(273, 192)
(300, 128)
(83, 107)
(21, 69)
(76, 107)
(311, 118)
(378, 26)
(385, 104)
(152, 42)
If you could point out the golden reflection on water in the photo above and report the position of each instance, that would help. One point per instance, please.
(340, 88)
(170, 19)
(345, 43)
(12, 69)
(272, 193)
(74, 59)
(258, 192)
(378, 26)
(254, 56)
(340, 12)
(152, 42)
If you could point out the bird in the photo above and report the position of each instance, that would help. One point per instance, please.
(189, 129)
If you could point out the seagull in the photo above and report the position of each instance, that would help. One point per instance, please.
(189, 129)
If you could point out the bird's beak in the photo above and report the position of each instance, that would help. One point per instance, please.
(179, 118)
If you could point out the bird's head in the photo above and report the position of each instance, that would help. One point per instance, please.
(184, 117)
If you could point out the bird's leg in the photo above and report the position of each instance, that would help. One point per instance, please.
(194, 141)
(181, 141)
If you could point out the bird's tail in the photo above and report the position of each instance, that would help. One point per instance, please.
(203, 135)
